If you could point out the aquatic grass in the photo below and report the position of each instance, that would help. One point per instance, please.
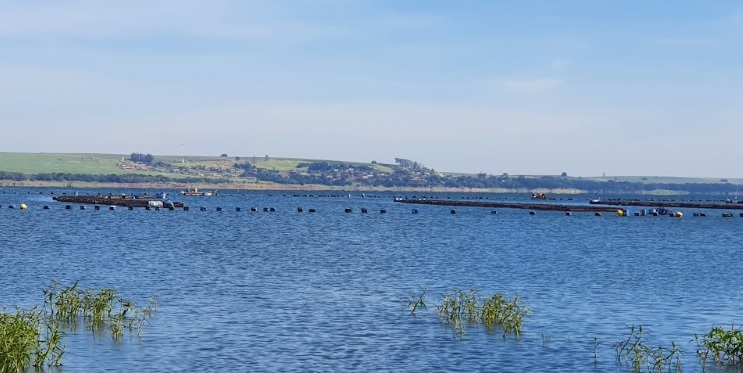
(461, 309)
(97, 308)
(33, 338)
(723, 346)
(28, 338)
(636, 351)
(418, 302)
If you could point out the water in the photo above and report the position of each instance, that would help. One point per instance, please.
(327, 291)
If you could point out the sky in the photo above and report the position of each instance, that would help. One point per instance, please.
(622, 88)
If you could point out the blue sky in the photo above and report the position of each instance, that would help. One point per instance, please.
(651, 88)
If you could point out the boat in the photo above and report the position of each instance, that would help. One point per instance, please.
(198, 193)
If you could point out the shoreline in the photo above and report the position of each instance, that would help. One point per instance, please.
(269, 186)
(314, 188)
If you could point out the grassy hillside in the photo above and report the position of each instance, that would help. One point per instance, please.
(87, 164)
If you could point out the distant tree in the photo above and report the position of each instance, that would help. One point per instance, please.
(564, 174)
(142, 158)
(223, 155)
(237, 159)
(266, 159)
(373, 162)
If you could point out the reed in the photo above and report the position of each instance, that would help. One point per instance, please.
(28, 338)
(461, 309)
(636, 351)
(97, 308)
(723, 346)
(418, 302)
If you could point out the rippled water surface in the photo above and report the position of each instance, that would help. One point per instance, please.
(327, 291)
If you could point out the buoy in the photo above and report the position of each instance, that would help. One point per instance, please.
(364, 210)
(23, 206)
(415, 211)
(254, 209)
(348, 209)
(82, 207)
(68, 207)
(621, 212)
(237, 209)
(568, 213)
(219, 209)
(493, 212)
(597, 214)
(112, 208)
(130, 208)
(272, 209)
(299, 209)
(148, 208)
(312, 210)
(46, 207)
(382, 211)
(453, 212)
(678, 214)
(186, 208)
(157, 208)
(265, 209)
(202, 208)
(532, 212)
(727, 214)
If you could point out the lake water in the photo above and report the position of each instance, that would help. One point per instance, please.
(327, 291)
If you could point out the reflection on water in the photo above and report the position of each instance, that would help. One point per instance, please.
(327, 291)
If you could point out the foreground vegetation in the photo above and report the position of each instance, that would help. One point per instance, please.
(33, 338)
(284, 173)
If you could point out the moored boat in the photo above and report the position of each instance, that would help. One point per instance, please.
(198, 193)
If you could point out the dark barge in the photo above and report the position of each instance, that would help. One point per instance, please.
(514, 205)
(119, 200)
(667, 204)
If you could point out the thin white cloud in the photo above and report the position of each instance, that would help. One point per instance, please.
(531, 86)
(560, 63)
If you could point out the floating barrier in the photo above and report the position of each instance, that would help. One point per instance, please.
(271, 209)
(727, 214)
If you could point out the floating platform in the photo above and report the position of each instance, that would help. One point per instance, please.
(514, 205)
(666, 204)
(116, 200)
